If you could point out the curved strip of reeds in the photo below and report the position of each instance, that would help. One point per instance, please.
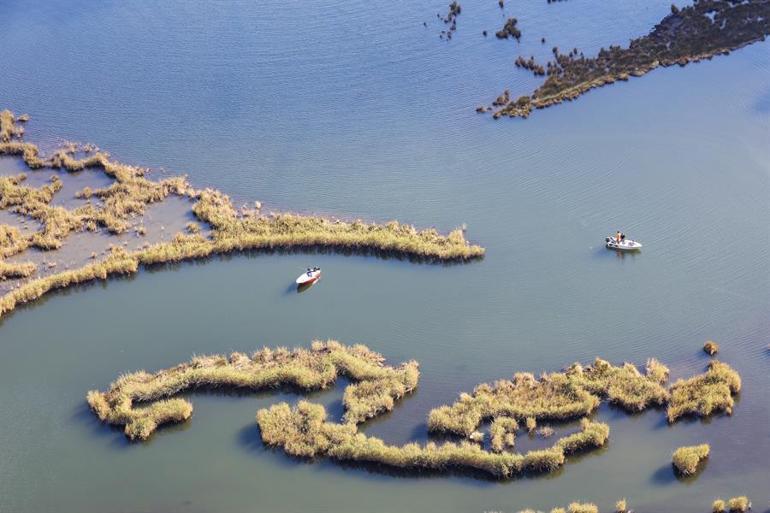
(303, 431)
(142, 402)
(132, 192)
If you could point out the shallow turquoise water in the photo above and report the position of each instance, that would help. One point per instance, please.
(356, 109)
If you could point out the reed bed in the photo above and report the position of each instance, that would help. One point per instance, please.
(739, 504)
(502, 433)
(582, 507)
(705, 394)
(11, 241)
(16, 269)
(125, 200)
(142, 402)
(303, 431)
(734, 505)
(561, 396)
(683, 36)
(686, 459)
(118, 262)
(8, 127)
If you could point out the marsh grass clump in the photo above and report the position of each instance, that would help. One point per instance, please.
(621, 506)
(8, 128)
(686, 459)
(559, 396)
(11, 241)
(303, 431)
(585, 507)
(711, 348)
(739, 504)
(142, 401)
(502, 433)
(718, 506)
(16, 269)
(705, 394)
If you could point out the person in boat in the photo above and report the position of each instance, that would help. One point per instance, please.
(618, 236)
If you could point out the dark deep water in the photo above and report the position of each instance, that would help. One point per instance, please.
(356, 109)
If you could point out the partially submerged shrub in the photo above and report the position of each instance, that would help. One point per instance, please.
(686, 459)
(718, 506)
(531, 424)
(711, 348)
(705, 394)
(621, 506)
(587, 507)
(739, 504)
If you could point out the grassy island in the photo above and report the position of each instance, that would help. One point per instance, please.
(560, 396)
(118, 209)
(375, 389)
(686, 459)
(578, 391)
(141, 402)
(690, 34)
(705, 394)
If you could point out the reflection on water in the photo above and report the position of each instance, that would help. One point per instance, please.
(302, 287)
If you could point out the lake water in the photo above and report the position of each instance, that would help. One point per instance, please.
(356, 109)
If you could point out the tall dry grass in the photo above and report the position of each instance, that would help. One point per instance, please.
(304, 431)
(142, 401)
(125, 200)
(566, 395)
(686, 459)
(16, 269)
(705, 394)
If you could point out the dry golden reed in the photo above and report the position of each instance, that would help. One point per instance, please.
(686, 459)
(114, 208)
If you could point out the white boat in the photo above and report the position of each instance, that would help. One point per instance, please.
(624, 244)
(309, 276)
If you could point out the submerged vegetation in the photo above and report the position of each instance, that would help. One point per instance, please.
(690, 34)
(118, 208)
(686, 459)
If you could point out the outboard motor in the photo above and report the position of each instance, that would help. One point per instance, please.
(606, 239)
